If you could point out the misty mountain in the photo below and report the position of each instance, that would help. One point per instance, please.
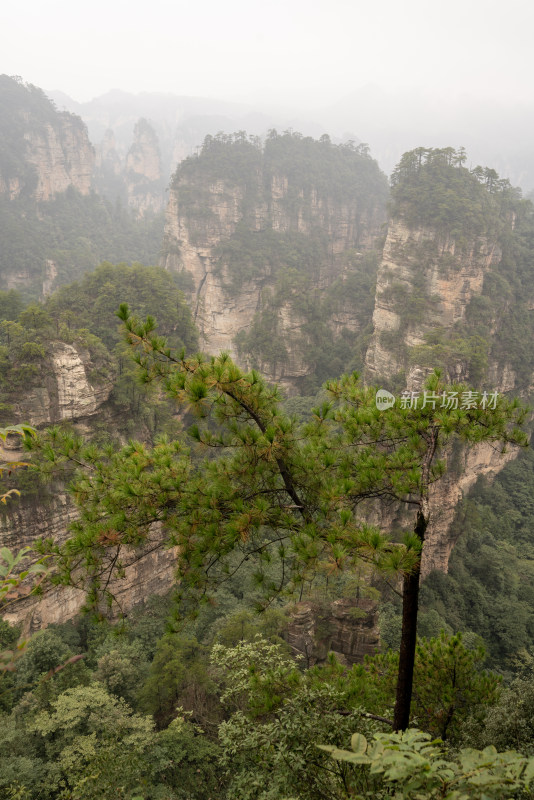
(181, 123)
(391, 121)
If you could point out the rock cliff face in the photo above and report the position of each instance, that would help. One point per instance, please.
(272, 254)
(67, 393)
(144, 176)
(107, 157)
(425, 282)
(136, 175)
(271, 227)
(62, 157)
(346, 628)
(45, 151)
(153, 573)
(481, 459)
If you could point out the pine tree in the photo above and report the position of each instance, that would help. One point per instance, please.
(268, 488)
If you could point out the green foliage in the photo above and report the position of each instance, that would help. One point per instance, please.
(430, 187)
(22, 768)
(329, 352)
(11, 304)
(84, 314)
(94, 743)
(461, 216)
(249, 254)
(446, 350)
(12, 577)
(44, 652)
(340, 172)
(234, 158)
(92, 302)
(510, 723)
(506, 299)
(14, 571)
(450, 685)
(268, 743)
(75, 232)
(178, 680)
(26, 346)
(498, 324)
(121, 667)
(276, 491)
(70, 738)
(412, 766)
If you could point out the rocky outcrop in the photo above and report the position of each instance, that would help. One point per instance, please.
(107, 157)
(151, 572)
(44, 151)
(347, 628)
(51, 273)
(10, 186)
(424, 282)
(144, 177)
(62, 156)
(67, 393)
(58, 156)
(477, 460)
(236, 215)
(218, 315)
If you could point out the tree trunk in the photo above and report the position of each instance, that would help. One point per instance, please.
(410, 606)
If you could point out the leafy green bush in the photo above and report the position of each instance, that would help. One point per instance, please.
(412, 766)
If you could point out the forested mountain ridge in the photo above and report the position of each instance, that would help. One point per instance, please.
(297, 258)
(278, 246)
(280, 241)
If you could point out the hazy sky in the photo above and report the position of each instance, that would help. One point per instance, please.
(300, 52)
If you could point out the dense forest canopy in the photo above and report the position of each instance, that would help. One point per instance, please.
(341, 173)
(265, 696)
(431, 186)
